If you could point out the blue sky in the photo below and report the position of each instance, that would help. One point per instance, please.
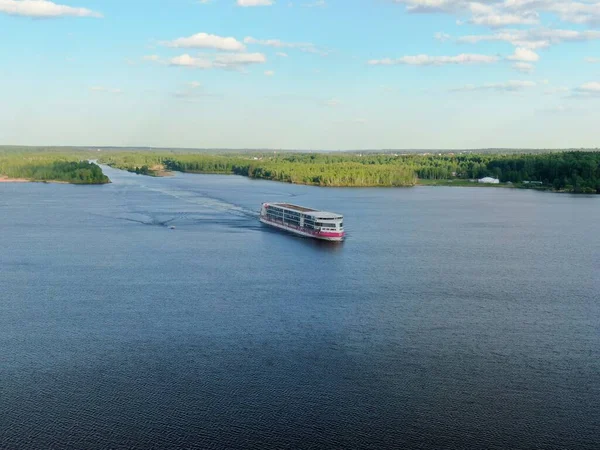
(300, 74)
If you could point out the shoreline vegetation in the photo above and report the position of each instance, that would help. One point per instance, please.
(573, 171)
(568, 171)
(48, 167)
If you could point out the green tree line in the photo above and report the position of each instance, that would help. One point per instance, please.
(49, 166)
(574, 171)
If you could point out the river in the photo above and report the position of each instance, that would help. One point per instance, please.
(449, 318)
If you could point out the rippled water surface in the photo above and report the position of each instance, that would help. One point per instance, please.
(450, 317)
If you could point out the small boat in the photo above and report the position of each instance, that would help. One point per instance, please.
(304, 221)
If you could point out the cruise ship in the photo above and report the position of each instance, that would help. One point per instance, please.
(306, 222)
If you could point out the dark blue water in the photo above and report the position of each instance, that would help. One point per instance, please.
(450, 317)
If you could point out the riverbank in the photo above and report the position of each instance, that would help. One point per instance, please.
(419, 182)
(573, 171)
(157, 170)
(4, 179)
(464, 183)
(25, 180)
(508, 185)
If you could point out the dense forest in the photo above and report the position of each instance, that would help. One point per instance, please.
(568, 171)
(50, 166)
(572, 171)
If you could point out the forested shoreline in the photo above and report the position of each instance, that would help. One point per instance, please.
(568, 171)
(571, 171)
(50, 167)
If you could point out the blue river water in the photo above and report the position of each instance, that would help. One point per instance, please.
(449, 318)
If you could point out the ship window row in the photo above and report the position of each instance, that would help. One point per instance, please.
(279, 215)
(296, 214)
(282, 211)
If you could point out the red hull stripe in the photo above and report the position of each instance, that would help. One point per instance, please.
(330, 234)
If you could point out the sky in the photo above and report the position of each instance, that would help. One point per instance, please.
(301, 74)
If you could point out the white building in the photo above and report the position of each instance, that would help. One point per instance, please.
(489, 180)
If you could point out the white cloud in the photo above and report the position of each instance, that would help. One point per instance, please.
(237, 59)
(524, 67)
(219, 61)
(254, 2)
(315, 4)
(282, 54)
(508, 86)
(583, 12)
(427, 6)
(427, 60)
(43, 8)
(205, 40)
(592, 87)
(269, 73)
(151, 58)
(442, 37)
(524, 54)
(500, 13)
(495, 16)
(556, 90)
(533, 38)
(493, 13)
(592, 60)
(105, 89)
(276, 43)
(194, 84)
(333, 102)
(189, 61)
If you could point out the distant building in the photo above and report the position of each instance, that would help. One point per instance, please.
(489, 180)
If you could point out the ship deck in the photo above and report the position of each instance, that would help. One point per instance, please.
(295, 207)
(315, 213)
